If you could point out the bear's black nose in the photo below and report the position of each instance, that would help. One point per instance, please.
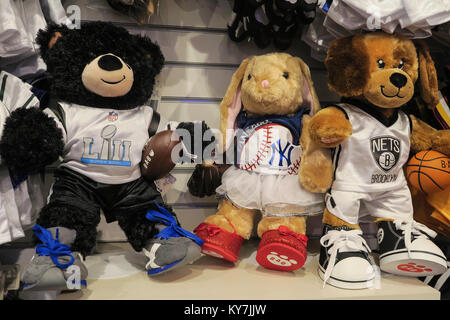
(398, 79)
(109, 63)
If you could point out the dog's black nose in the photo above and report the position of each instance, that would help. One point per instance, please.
(110, 63)
(398, 79)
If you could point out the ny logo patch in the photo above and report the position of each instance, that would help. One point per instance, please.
(283, 153)
(386, 151)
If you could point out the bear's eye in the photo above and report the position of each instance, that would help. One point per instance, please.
(381, 64)
(401, 64)
(249, 77)
(286, 75)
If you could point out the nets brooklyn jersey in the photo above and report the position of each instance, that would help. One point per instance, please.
(371, 159)
(104, 144)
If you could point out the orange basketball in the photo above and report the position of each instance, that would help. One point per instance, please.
(429, 171)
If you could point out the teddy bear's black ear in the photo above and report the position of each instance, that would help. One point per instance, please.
(152, 52)
(47, 38)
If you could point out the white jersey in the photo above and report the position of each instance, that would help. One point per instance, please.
(270, 149)
(20, 21)
(104, 144)
(19, 204)
(372, 158)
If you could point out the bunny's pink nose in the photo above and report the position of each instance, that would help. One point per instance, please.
(265, 84)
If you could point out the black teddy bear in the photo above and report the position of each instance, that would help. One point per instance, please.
(97, 122)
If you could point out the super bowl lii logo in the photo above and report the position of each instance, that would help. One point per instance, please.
(112, 152)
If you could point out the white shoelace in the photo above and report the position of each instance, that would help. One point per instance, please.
(409, 227)
(335, 239)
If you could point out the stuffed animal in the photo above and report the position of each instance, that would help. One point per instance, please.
(269, 99)
(98, 123)
(375, 74)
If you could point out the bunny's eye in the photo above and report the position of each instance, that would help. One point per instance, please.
(249, 77)
(286, 75)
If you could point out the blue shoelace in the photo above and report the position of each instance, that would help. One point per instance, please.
(173, 230)
(52, 247)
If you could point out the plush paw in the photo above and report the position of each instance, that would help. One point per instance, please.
(441, 142)
(170, 253)
(316, 176)
(30, 141)
(329, 128)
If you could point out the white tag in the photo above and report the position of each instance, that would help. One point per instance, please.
(164, 184)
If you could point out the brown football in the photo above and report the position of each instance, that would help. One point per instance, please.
(156, 159)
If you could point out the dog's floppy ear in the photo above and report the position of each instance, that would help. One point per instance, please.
(428, 83)
(231, 103)
(310, 99)
(347, 66)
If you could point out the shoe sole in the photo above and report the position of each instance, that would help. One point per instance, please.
(347, 284)
(218, 252)
(192, 255)
(417, 264)
(281, 257)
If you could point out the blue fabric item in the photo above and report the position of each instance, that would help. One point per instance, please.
(16, 180)
(52, 247)
(326, 6)
(173, 230)
(293, 123)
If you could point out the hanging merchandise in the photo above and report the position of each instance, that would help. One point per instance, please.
(374, 81)
(267, 21)
(19, 23)
(272, 166)
(139, 10)
(21, 195)
(414, 19)
(340, 18)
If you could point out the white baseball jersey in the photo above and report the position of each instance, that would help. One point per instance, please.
(104, 144)
(371, 159)
(269, 149)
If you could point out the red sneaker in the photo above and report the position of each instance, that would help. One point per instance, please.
(282, 249)
(218, 242)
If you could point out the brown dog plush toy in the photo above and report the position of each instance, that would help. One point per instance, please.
(376, 74)
(268, 100)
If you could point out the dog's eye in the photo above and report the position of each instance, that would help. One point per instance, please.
(401, 64)
(286, 75)
(249, 77)
(381, 64)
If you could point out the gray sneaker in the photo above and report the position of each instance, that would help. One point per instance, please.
(169, 254)
(54, 266)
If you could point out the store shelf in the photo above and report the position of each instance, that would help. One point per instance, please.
(116, 272)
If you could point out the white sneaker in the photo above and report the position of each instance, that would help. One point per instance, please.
(406, 249)
(344, 260)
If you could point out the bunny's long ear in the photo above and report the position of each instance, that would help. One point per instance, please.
(428, 82)
(310, 99)
(231, 104)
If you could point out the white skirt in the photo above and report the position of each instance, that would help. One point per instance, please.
(273, 195)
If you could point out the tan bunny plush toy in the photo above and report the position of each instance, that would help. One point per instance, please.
(269, 100)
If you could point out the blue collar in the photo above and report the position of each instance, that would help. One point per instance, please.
(293, 123)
